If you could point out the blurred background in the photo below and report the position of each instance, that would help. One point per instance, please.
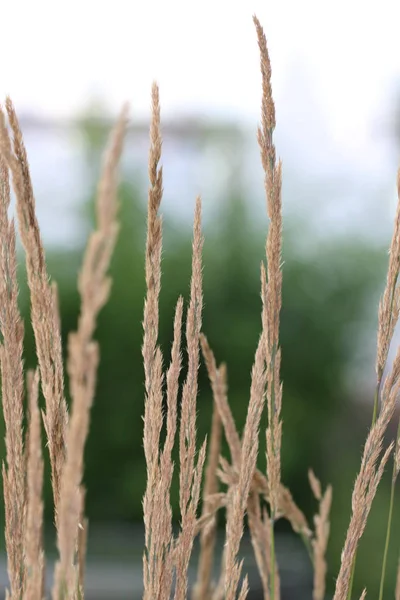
(336, 78)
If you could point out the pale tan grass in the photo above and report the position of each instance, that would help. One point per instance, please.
(260, 534)
(221, 401)
(12, 388)
(261, 544)
(207, 519)
(187, 438)
(320, 541)
(273, 186)
(204, 586)
(248, 459)
(389, 306)
(189, 474)
(83, 357)
(82, 540)
(33, 546)
(287, 506)
(165, 540)
(166, 557)
(44, 317)
(219, 388)
(156, 513)
(150, 350)
(388, 315)
(163, 554)
(244, 590)
(368, 479)
(188, 529)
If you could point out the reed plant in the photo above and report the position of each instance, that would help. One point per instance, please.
(232, 484)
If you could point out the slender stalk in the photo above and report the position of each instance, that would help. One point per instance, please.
(271, 285)
(368, 478)
(390, 514)
(388, 531)
(374, 417)
(388, 315)
(376, 403)
(307, 544)
(272, 577)
(353, 570)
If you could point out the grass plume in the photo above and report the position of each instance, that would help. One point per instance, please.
(232, 484)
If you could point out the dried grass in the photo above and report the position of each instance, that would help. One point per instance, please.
(248, 491)
(33, 543)
(320, 542)
(83, 357)
(12, 390)
(44, 316)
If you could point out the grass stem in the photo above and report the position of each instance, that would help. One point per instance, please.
(390, 515)
(273, 559)
(388, 531)
(374, 417)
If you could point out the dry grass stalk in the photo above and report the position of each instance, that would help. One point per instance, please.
(165, 541)
(43, 311)
(368, 479)
(273, 185)
(156, 513)
(228, 475)
(244, 590)
(221, 401)
(83, 356)
(187, 438)
(249, 451)
(261, 526)
(161, 538)
(320, 541)
(389, 306)
(271, 288)
(162, 553)
(261, 544)
(23, 471)
(204, 588)
(388, 314)
(188, 530)
(12, 388)
(287, 506)
(82, 540)
(151, 353)
(164, 544)
(291, 512)
(33, 548)
(189, 474)
(260, 532)
(214, 503)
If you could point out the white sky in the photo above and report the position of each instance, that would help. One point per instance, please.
(54, 54)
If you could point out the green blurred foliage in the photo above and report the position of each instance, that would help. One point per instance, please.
(324, 312)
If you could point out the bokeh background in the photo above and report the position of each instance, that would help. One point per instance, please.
(336, 78)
